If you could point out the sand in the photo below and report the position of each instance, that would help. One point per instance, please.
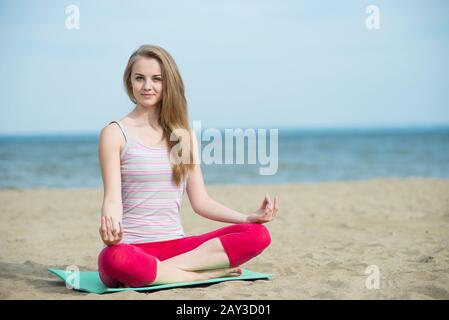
(325, 237)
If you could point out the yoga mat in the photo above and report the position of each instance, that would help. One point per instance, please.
(90, 281)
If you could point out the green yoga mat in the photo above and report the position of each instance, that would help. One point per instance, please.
(90, 281)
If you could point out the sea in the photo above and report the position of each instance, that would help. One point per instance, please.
(299, 156)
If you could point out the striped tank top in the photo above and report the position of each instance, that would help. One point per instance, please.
(151, 200)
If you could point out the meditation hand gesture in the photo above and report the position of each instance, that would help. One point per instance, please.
(110, 233)
(266, 212)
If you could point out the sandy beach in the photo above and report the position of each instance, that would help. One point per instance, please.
(323, 240)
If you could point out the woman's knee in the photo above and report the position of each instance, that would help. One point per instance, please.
(114, 256)
(111, 261)
(260, 236)
(252, 237)
(126, 264)
(250, 241)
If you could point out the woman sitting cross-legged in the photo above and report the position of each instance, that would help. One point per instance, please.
(143, 188)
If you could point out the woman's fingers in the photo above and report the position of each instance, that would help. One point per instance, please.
(264, 202)
(268, 202)
(117, 231)
(271, 208)
(110, 233)
(270, 215)
(106, 223)
(104, 229)
(120, 233)
(110, 228)
(268, 210)
(114, 229)
(276, 206)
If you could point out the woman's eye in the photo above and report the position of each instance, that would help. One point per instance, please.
(155, 79)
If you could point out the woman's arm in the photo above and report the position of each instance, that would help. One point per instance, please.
(109, 158)
(200, 201)
(214, 210)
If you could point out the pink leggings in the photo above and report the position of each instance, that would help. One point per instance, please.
(135, 264)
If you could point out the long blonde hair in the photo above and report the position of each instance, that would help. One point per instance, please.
(173, 113)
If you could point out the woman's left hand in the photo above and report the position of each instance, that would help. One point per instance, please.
(266, 212)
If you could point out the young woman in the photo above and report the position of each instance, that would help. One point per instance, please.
(143, 188)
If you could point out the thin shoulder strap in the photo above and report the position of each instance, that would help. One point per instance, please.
(122, 127)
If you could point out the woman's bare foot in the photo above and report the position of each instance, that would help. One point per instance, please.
(195, 276)
(219, 273)
(168, 273)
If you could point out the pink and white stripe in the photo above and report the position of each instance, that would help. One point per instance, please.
(151, 200)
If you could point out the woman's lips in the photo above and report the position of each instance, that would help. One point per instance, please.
(148, 95)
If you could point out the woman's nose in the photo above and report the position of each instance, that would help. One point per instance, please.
(147, 85)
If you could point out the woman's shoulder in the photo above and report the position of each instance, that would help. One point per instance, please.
(111, 128)
(112, 134)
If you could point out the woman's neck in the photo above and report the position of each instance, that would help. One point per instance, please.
(146, 116)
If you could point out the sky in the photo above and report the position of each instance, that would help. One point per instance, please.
(246, 64)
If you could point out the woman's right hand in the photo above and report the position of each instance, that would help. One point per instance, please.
(109, 232)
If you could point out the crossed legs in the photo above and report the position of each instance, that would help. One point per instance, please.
(207, 261)
(214, 254)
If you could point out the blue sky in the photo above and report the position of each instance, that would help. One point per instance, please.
(244, 63)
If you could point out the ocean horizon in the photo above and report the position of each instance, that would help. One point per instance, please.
(70, 160)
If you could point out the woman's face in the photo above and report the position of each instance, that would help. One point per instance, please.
(146, 81)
